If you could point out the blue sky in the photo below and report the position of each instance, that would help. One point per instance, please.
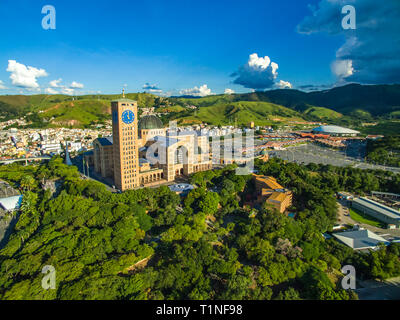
(172, 45)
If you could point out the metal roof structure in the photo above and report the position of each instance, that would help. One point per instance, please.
(331, 129)
(11, 203)
(380, 208)
(124, 100)
(106, 141)
(150, 122)
(181, 187)
(360, 239)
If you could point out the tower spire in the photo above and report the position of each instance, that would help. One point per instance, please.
(123, 92)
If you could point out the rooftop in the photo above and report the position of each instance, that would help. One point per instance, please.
(181, 187)
(106, 141)
(277, 196)
(360, 239)
(124, 100)
(382, 209)
(150, 122)
(11, 203)
(269, 181)
(335, 130)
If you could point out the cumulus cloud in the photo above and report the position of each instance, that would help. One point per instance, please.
(284, 85)
(229, 91)
(201, 91)
(24, 76)
(68, 91)
(258, 73)
(342, 68)
(50, 91)
(76, 85)
(2, 86)
(55, 83)
(369, 53)
(153, 88)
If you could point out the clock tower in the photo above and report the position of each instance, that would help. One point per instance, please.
(125, 143)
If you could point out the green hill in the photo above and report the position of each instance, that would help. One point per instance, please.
(63, 110)
(347, 105)
(377, 100)
(322, 113)
(262, 113)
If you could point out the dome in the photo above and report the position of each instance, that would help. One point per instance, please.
(150, 122)
(334, 130)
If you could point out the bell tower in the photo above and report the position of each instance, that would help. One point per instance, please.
(125, 143)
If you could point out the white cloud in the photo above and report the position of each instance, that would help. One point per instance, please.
(257, 73)
(68, 91)
(342, 68)
(50, 91)
(201, 91)
(258, 62)
(284, 85)
(24, 76)
(2, 86)
(55, 83)
(153, 88)
(76, 85)
(229, 91)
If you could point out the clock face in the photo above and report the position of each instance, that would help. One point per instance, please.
(128, 116)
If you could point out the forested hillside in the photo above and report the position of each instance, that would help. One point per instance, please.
(343, 105)
(153, 244)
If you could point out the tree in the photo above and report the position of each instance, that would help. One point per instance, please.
(27, 182)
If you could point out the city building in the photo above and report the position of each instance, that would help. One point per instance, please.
(361, 239)
(270, 191)
(125, 143)
(379, 211)
(335, 131)
(10, 199)
(144, 153)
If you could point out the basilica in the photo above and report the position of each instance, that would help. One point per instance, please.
(142, 152)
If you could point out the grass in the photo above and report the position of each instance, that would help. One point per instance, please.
(322, 113)
(262, 113)
(384, 127)
(361, 217)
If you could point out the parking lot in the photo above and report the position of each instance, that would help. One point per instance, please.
(353, 155)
